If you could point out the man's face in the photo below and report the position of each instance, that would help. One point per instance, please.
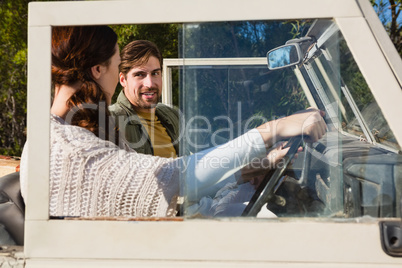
(143, 85)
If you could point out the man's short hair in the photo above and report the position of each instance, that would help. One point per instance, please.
(137, 53)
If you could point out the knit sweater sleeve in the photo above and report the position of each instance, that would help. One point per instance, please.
(92, 177)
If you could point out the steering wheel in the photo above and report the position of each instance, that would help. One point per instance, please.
(266, 191)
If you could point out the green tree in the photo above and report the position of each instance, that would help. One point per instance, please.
(165, 36)
(13, 73)
(389, 13)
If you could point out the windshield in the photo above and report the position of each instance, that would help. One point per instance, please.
(227, 89)
(229, 99)
(333, 70)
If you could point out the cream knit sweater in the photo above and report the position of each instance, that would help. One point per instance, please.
(92, 177)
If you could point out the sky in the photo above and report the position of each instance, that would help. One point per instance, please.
(385, 15)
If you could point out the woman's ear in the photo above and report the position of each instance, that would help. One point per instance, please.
(96, 71)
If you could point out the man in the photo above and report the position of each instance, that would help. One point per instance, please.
(149, 126)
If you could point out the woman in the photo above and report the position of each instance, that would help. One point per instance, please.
(91, 176)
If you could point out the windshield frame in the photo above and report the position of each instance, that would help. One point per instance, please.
(316, 56)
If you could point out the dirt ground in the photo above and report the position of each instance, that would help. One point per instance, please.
(9, 164)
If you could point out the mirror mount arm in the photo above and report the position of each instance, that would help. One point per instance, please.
(301, 40)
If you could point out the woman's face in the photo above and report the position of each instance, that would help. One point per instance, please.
(110, 76)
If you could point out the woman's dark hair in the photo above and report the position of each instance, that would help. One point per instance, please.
(74, 51)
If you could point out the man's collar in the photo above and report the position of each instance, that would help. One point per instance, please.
(122, 99)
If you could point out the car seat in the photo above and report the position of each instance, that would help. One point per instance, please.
(12, 207)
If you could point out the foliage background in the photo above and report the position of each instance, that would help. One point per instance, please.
(13, 59)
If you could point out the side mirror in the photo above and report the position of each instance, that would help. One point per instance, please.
(284, 56)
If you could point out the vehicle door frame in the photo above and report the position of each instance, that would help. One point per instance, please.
(199, 243)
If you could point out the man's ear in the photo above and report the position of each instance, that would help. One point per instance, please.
(96, 71)
(122, 80)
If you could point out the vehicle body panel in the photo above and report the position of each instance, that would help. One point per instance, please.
(289, 242)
